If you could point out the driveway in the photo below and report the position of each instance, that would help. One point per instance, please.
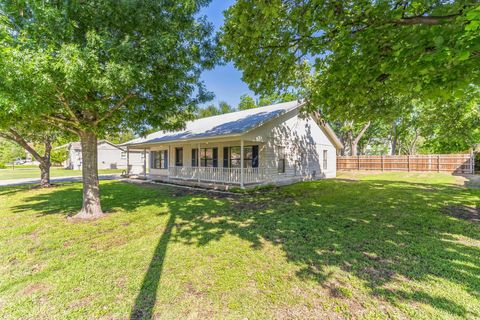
(19, 182)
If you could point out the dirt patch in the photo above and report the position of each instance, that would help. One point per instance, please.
(35, 288)
(191, 290)
(463, 212)
(80, 303)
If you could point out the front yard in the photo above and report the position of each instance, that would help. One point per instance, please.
(34, 173)
(361, 246)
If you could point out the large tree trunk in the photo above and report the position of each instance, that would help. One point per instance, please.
(394, 139)
(91, 208)
(354, 142)
(45, 175)
(45, 164)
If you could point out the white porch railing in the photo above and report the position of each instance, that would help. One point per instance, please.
(223, 175)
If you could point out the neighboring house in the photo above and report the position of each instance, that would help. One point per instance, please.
(110, 156)
(269, 145)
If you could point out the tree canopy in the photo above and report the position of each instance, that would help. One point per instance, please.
(98, 67)
(355, 58)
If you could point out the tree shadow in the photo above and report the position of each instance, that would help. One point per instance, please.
(382, 232)
(146, 298)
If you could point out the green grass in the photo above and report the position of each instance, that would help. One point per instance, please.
(34, 172)
(375, 246)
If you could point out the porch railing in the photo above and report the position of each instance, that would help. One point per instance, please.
(223, 175)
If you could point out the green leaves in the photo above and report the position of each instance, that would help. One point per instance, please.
(106, 65)
(363, 54)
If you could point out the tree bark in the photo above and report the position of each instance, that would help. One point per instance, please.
(91, 208)
(45, 174)
(394, 139)
(354, 142)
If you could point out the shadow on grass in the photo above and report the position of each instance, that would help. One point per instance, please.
(146, 298)
(382, 232)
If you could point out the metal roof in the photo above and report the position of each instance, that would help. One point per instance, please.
(234, 123)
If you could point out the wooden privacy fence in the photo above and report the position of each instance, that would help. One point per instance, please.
(453, 163)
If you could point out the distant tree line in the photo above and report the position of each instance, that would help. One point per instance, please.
(246, 102)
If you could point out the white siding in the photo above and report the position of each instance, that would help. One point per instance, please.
(187, 153)
(109, 157)
(303, 141)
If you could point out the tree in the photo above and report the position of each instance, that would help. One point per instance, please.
(120, 137)
(355, 51)
(452, 126)
(225, 107)
(246, 102)
(274, 98)
(9, 151)
(42, 156)
(105, 66)
(32, 135)
(350, 133)
(212, 110)
(58, 156)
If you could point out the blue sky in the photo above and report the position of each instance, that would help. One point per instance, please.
(224, 81)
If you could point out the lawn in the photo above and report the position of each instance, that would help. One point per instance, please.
(369, 246)
(34, 172)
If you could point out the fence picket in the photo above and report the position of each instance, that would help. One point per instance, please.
(453, 163)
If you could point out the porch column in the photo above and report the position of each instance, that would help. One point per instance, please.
(128, 162)
(241, 163)
(198, 163)
(169, 162)
(145, 163)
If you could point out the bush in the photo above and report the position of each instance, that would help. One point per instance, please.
(3, 166)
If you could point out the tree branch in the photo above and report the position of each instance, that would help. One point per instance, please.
(67, 107)
(16, 137)
(60, 123)
(427, 20)
(120, 104)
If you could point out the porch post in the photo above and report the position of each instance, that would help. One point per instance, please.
(198, 163)
(145, 163)
(169, 162)
(241, 163)
(128, 162)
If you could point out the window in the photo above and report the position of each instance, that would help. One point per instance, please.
(123, 155)
(179, 157)
(325, 157)
(209, 157)
(250, 157)
(159, 159)
(194, 157)
(281, 159)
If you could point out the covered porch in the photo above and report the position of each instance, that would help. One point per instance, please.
(236, 176)
(217, 162)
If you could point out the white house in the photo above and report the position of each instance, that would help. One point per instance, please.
(110, 156)
(269, 145)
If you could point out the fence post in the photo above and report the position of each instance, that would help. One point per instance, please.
(408, 162)
(438, 163)
(358, 162)
(382, 161)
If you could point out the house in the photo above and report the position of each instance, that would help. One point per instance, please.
(275, 144)
(110, 156)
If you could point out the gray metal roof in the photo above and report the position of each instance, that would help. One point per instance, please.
(234, 123)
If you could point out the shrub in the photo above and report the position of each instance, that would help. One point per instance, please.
(3, 166)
